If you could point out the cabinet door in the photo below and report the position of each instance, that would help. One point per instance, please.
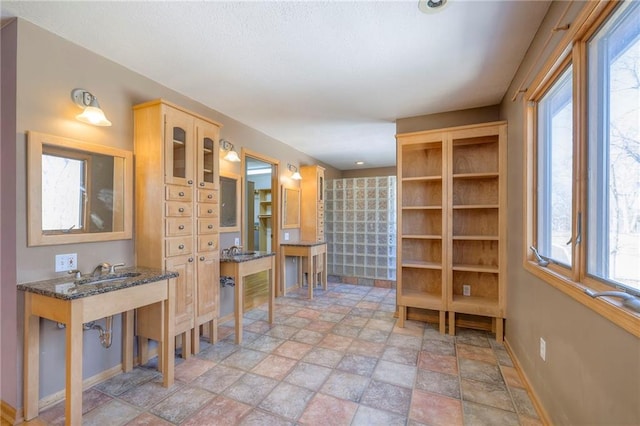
(208, 284)
(179, 147)
(207, 154)
(185, 266)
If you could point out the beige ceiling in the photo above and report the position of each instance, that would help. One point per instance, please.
(326, 77)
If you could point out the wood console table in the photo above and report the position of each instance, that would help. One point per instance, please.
(310, 250)
(74, 303)
(241, 265)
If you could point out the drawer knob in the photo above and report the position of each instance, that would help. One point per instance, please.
(210, 226)
(210, 211)
(201, 258)
(190, 182)
(181, 246)
(181, 209)
(210, 243)
(201, 183)
(181, 227)
(191, 259)
(181, 193)
(210, 196)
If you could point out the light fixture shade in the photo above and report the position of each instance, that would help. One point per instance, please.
(232, 156)
(296, 176)
(93, 115)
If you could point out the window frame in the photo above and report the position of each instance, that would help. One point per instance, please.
(574, 280)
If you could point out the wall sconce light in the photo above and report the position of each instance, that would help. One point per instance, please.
(92, 113)
(294, 170)
(231, 154)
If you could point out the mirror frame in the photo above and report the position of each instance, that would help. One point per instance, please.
(236, 177)
(287, 193)
(35, 235)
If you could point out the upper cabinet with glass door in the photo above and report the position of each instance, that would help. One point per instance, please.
(206, 155)
(179, 147)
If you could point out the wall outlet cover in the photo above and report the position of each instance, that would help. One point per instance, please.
(543, 349)
(66, 262)
(466, 290)
(236, 241)
(286, 236)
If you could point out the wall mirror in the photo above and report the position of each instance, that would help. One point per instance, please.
(290, 207)
(77, 191)
(229, 202)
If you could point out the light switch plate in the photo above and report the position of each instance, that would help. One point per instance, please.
(286, 236)
(236, 242)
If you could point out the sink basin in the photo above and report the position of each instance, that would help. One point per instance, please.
(108, 278)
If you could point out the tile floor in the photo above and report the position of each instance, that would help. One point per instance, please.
(338, 359)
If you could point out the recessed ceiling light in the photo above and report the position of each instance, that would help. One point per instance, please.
(431, 6)
(359, 163)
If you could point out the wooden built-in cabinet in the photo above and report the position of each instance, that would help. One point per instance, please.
(312, 203)
(452, 223)
(264, 219)
(177, 221)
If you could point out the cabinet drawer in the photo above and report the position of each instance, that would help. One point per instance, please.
(207, 243)
(321, 206)
(178, 209)
(178, 193)
(178, 245)
(207, 210)
(207, 226)
(320, 214)
(175, 227)
(207, 196)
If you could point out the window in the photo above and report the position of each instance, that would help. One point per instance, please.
(583, 201)
(555, 179)
(613, 212)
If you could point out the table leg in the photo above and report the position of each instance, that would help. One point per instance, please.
(168, 345)
(283, 272)
(73, 391)
(31, 361)
(127, 341)
(272, 280)
(324, 270)
(239, 308)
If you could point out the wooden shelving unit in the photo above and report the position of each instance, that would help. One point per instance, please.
(264, 219)
(452, 206)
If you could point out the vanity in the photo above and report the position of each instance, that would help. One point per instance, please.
(240, 266)
(75, 302)
(315, 256)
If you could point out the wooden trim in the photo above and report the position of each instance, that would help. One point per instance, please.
(8, 413)
(447, 129)
(56, 397)
(542, 413)
(161, 101)
(610, 308)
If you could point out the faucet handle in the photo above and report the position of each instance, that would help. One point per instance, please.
(77, 273)
(112, 268)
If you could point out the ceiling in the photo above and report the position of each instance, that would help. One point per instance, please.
(328, 78)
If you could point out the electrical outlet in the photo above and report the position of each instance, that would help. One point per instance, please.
(466, 290)
(236, 242)
(66, 262)
(286, 236)
(543, 349)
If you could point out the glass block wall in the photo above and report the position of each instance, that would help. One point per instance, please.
(360, 227)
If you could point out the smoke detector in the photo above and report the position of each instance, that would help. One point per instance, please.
(431, 6)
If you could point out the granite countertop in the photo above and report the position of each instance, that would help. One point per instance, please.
(67, 288)
(246, 257)
(303, 243)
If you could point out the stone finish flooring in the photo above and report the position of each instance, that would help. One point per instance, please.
(338, 359)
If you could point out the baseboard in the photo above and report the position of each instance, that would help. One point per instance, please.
(542, 413)
(7, 413)
(54, 398)
(226, 318)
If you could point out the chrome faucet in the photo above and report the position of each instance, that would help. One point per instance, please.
(234, 250)
(102, 267)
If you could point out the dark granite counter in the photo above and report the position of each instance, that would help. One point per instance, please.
(302, 243)
(246, 257)
(67, 288)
